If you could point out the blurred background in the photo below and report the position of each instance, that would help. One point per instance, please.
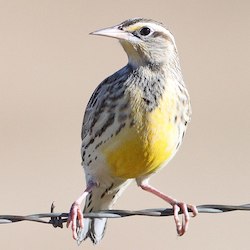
(49, 66)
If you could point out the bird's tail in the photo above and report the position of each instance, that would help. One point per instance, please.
(99, 199)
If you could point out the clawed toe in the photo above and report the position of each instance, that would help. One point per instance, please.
(193, 209)
(182, 225)
(75, 216)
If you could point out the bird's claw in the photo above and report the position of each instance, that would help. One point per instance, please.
(182, 225)
(75, 218)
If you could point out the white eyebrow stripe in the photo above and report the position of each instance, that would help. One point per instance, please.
(157, 27)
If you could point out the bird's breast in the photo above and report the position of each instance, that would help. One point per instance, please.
(146, 141)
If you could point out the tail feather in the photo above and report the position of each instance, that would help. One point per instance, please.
(99, 199)
(93, 229)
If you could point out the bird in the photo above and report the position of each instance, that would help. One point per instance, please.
(134, 123)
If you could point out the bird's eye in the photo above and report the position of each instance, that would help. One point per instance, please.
(145, 31)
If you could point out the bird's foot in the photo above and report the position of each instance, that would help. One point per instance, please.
(182, 225)
(75, 218)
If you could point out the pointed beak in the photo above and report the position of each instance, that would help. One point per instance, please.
(114, 32)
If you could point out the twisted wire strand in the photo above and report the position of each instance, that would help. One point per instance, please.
(57, 219)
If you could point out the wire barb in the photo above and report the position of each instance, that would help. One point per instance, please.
(57, 219)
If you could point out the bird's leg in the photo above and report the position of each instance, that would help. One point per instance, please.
(76, 211)
(177, 207)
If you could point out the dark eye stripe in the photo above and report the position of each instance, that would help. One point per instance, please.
(163, 35)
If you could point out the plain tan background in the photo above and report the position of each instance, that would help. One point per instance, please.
(49, 66)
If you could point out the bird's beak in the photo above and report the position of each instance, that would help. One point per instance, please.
(114, 32)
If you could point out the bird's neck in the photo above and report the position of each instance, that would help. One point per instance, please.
(166, 61)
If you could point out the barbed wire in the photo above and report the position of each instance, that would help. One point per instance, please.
(57, 219)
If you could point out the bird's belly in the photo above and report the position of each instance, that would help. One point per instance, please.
(140, 150)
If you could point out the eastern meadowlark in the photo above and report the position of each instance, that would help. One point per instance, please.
(133, 125)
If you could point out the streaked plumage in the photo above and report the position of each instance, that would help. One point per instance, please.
(133, 124)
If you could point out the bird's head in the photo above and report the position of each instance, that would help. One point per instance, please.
(145, 41)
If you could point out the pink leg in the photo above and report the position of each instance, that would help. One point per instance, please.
(177, 206)
(76, 211)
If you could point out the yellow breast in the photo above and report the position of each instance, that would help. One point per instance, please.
(142, 148)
